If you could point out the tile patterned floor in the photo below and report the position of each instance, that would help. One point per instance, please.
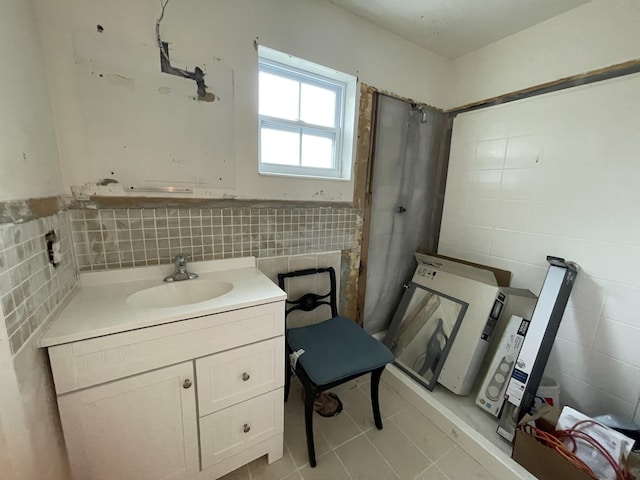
(349, 447)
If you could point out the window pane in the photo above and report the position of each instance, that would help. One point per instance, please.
(317, 151)
(318, 105)
(279, 146)
(278, 96)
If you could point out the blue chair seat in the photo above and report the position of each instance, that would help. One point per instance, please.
(337, 349)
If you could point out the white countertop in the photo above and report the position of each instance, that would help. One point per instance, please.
(99, 305)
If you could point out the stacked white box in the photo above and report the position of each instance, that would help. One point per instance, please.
(491, 395)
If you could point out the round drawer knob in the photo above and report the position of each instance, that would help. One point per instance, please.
(187, 383)
(245, 376)
(246, 428)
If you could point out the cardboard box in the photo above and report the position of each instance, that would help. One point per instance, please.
(542, 461)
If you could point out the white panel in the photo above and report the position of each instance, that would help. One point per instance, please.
(229, 431)
(94, 361)
(143, 427)
(239, 374)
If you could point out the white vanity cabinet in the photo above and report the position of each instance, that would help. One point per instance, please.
(143, 427)
(191, 398)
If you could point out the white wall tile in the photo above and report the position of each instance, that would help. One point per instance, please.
(482, 212)
(579, 326)
(621, 302)
(618, 378)
(619, 341)
(513, 214)
(490, 154)
(486, 184)
(463, 155)
(477, 239)
(587, 398)
(451, 234)
(519, 183)
(578, 201)
(507, 244)
(524, 152)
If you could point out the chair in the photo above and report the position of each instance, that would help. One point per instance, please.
(335, 351)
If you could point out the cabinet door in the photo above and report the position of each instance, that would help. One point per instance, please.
(141, 427)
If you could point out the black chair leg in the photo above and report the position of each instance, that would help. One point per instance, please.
(309, 400)
(375, 404)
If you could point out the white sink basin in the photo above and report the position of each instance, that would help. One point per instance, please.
(186, 292)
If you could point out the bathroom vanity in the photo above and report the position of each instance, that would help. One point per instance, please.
(166, 381)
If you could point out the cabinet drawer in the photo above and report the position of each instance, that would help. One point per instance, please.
(98, 360)
(236, 375)
(229, 431)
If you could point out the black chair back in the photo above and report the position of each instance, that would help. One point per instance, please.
(311, 301)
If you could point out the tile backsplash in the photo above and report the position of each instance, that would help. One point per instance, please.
(117, 238)
(30, 287)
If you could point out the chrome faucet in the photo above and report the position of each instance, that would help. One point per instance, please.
(181, 272)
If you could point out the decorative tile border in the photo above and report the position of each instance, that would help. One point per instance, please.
(30, 288)
(117, 238)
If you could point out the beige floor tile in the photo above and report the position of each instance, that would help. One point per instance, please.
(429, 438)
(241, 473)
(296, 441)
(328, 468)
(261, 470)
(391, 402)
(363, 461)
(336, 430)
(404, 457)
(294, 476)
(358, 406)
(431, 473)
(351, 384)
(295, 402)
(459, 465)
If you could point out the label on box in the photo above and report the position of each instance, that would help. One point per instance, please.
(517, 384)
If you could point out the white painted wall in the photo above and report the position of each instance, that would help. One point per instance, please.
(28, 153)
(557, 175)
(30, 432)
(595, 35)
(199, 31)
(30, 436)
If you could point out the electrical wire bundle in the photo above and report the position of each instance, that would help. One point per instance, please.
(554, 440)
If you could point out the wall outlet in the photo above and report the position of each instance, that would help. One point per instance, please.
(53, 248)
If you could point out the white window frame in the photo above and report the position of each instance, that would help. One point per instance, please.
(343, 84)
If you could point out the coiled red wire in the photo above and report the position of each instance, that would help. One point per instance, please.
(554, 440)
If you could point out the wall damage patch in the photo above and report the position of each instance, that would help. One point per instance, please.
(165, 64)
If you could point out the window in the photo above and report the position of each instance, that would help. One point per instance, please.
(306, 115)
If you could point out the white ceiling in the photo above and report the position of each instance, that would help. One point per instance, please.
(452, 28)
